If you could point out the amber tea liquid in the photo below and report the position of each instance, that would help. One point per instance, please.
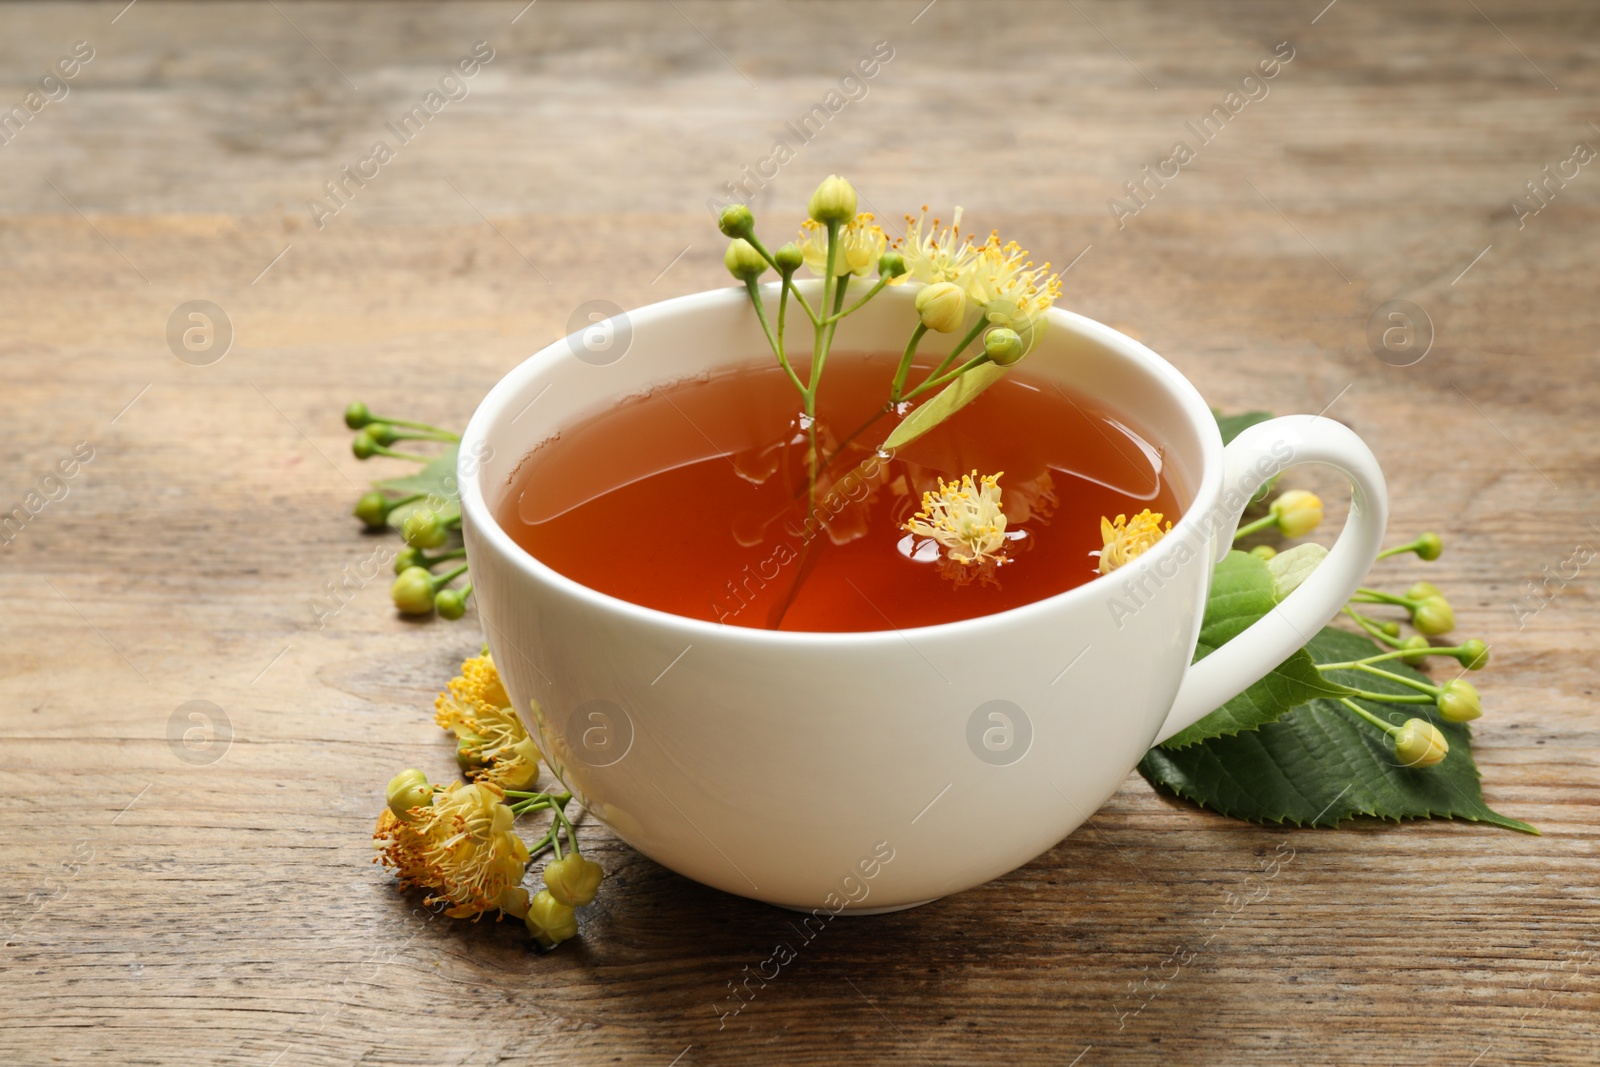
(693, 499)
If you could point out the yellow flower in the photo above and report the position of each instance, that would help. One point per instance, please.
(463, 848)
(476, 708)
(861, 242)
(965, 518)
(1126, 539)
(939, 255)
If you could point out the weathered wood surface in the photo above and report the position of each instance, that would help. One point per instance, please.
(162, 911)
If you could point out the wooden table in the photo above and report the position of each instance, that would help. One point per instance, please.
(214, 904)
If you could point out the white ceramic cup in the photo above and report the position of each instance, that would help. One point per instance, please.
(873, 771)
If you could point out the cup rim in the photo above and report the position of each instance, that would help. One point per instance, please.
(477, 514)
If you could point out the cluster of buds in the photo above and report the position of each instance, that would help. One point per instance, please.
(1417, 742)
(428, 521)
(460, 842)
(838, 244)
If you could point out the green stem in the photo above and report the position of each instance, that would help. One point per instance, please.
(1255, 527)
(1437, 650)
(1374, 596)
(788, 280)
(427, 561)
(777, 345)
(1372, 627)
(905, 363)
(442, 580)
(448, 436)
(857, 432)
(837, 315)
(1388, 728)
(1400, 549)
(933, 383)
(385, 450)
(1432, 690)
(972, 335)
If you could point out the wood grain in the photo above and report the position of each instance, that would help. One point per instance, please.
(159, 911)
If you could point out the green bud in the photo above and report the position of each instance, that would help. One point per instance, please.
(1297, 512)
(1474, 655)
(373, 509)
(1434, 616)
(409, 557)
(1390, 629)
(383, 433)
(1263, 552)
(1429, 546)
(743, 261)
(422, 529)
(550, 921)
(412, 592)
(736, 221)
(941, 306)
(834, 201)
(1003, 346)
(573, 880)
(1420, 744)
(1423, 590)
(450, 603)
(891, 265)
(1418, 647)
(409, 789)
(363, 445)
(789, 258)
(356, 415)
(1459, 702)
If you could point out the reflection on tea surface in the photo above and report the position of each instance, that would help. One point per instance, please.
(692, 499)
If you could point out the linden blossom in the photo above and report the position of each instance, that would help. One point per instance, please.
(411, 124)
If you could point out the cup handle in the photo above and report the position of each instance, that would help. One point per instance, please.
(1248, 462)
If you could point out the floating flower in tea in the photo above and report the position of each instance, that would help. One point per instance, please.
(965, 518)
(1127, 538)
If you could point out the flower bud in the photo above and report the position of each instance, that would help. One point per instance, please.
(373, 509)
(514, 902)
(743, 261)
(789, 258)
(1429, 546)
(384, 433)
(1297, 512)
(1263, 552)
(834, 201)
(1423, 590)
(1418, 648)
(1003, 346)
(1420, 744)
(1459, 701)
(891, 265)
(550, 921)
(942, 306)
(736, 221)
(1390, 629)
(356, 415)
(409, 557)
(422, 529)
(1474, 655)
(363, 446)
(450, 603)
(412, 592)
(409, 789)
(1434, 616)
(573, 880)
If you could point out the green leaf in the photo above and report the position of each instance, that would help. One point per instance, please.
(949, 400)
(1289, 569)
(1242, 591)
(1233, 425)
(1320, 764)
(437, 480)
